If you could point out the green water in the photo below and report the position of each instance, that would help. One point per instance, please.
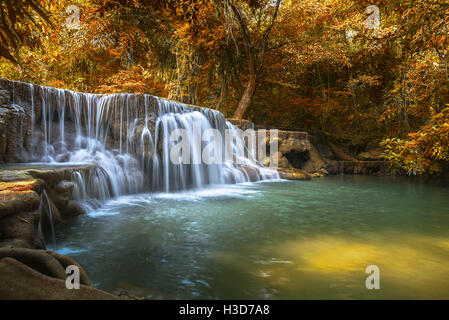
(275, 240)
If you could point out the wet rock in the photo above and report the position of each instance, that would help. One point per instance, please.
(52, 176)
(359, 167)
(320, 173)
(64, 186)
(14, 175)
(4, 125)
(339, 154)
(20, 197)
(49, 263)
(21, 227)
(293, 141)
(372, 155)
(73, 209)
(16, 201)
(4, 97)
(242, 124)
(294, 150)
(55, 214)
(323, 172)
(15, 130)
(251, 172)
(18, 280)
(16, 243)
(294, 175)
(61, 194)
(315, 162)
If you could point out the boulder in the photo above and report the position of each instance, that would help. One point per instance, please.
(339, 154)
(372, 155)
(359, 167)
(23, 228)
(293, 149)
(16, 243)
(242, 124)
(73, 209)
(315, 162)
(18, 196)
(294, 175)
(251, 172)
(19, 281)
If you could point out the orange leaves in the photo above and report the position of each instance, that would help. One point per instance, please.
(423, 151)
(135, 80)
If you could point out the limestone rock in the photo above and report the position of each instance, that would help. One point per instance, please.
(294, 175)
(21, 227)
(359, 167)
(242, 124)
(339, 154)
(252, 173)
(16, 201)
(72, 209)
(316, 162)
(372, 155)
(19, 281)
(14, 244)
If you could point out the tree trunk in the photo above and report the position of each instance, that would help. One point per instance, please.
(245, 101)
(251, 85)
(253, 67)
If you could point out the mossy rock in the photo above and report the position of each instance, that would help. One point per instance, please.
(294, 175)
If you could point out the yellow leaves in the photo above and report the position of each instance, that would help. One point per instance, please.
(422, 151)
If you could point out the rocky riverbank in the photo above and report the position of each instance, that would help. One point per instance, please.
(27, 270)
(303, 156)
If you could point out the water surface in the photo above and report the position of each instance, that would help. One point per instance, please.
(272, 240)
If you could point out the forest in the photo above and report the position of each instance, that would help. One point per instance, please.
(372, 76)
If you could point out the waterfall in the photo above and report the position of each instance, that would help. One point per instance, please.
(127, 138)
(45, 211)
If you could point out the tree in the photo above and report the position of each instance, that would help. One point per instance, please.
(255, 62)
(18, 18)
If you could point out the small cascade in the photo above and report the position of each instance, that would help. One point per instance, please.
(46, 215)
(342, 167)
(31, 88)
(128, 141)
(233, 163)
(92, 188)
(191, 172)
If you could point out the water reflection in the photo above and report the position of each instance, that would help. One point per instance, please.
(291, 240)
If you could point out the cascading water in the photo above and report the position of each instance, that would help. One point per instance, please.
(126, 138)
(169, 176)
(46, 214)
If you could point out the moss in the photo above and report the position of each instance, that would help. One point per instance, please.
(18, 186)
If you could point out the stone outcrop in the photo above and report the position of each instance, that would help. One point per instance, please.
(14, 129)
(46, 281)
(19, 215)
(242, 124)
(303, 155)
(323, 158)
(294, 175)
(25, 271)
(359, 167)
(21, 188)
(371, 155)
(298, 158)
(23, 107)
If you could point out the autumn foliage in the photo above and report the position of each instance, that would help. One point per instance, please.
(321, 65)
